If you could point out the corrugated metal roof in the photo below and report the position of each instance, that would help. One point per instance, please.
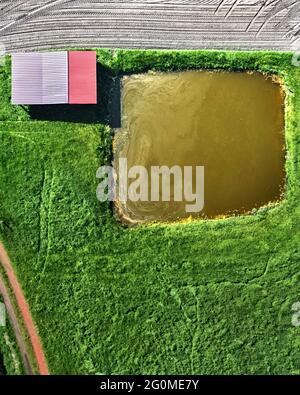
(27, 79)
(82, 77)
(40, 78)
(55, 77)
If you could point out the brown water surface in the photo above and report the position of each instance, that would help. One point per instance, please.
(231, 123)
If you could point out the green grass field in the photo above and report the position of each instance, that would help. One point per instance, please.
(210, 297)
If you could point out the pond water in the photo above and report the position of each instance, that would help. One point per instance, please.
(231, 123)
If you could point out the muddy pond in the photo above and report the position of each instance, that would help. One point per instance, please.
(231, 124)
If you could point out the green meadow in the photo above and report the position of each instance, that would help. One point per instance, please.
(202, 297)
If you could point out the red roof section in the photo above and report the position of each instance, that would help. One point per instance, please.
(82, 77)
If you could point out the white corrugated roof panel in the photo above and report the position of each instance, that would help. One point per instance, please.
(40, 78)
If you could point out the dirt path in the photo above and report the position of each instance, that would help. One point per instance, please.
(25, 313)
(16, 327)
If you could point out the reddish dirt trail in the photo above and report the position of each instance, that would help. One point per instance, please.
(25, 312)
(16, 327)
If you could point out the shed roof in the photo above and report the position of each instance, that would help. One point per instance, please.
(40, 78)
(54, 78)
(82, 77)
